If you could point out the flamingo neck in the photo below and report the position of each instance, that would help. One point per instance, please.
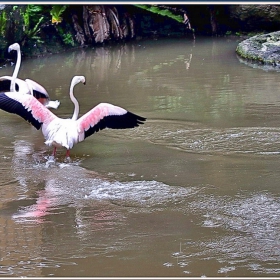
(16, 70)
(29, 88)
(76, 103)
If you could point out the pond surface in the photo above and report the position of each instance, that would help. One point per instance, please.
(192, 192)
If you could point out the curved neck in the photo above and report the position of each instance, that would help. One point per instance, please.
(75, 101)
(16, 70)
(29, 86)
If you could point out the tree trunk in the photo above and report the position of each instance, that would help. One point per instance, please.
(79, 31)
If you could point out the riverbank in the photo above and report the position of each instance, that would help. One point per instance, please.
(47, 29)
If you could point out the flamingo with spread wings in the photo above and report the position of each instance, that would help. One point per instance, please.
(12, 83)
(66, 133)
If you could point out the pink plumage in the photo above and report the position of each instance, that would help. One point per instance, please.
(66, 133)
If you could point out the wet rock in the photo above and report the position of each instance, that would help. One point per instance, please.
(261, 49)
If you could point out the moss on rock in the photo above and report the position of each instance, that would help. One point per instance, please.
(264, 49)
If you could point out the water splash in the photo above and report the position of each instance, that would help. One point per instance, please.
(145, 194)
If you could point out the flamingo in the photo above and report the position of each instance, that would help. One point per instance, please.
(12, 83)
(66, 133)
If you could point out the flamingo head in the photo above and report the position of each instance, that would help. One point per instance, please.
(78, 79)
(14, 47)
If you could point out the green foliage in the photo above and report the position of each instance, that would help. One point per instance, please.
(163, 12)
(68, 39)
(32, 32)
(3, 20)
(32, 15)
(34, 10)
(32, 18)
(56, 13)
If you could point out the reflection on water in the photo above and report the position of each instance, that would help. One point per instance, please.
(193, 192)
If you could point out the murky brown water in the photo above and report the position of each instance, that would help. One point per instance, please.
(193, 192)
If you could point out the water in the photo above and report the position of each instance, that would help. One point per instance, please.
(193, 192)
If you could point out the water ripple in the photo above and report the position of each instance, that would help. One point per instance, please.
(252, 241)
(186, 137)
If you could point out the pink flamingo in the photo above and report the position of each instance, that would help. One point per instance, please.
(12, 83)
(66, 133)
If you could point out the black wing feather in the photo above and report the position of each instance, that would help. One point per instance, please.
(5, 86)
(37, 94)
(12, 106)
(128, 120)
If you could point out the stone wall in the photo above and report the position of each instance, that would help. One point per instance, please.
(255, 17)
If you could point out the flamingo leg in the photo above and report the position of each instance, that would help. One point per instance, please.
(54, 151)
(68, 153)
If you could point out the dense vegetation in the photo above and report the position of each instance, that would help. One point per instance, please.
(44, 29)
(73, 25)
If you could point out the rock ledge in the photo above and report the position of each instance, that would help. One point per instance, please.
(261, 49)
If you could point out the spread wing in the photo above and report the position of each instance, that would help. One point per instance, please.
(106, 115)
(27, 107)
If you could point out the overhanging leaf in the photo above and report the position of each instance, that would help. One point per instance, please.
(163, 12)
(56, 13)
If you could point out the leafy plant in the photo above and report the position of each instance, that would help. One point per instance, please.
(68, 39)
(31, 15)
(32, 19)
(163, 12)
(3, 20)
(31, 33)
(56, 13)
